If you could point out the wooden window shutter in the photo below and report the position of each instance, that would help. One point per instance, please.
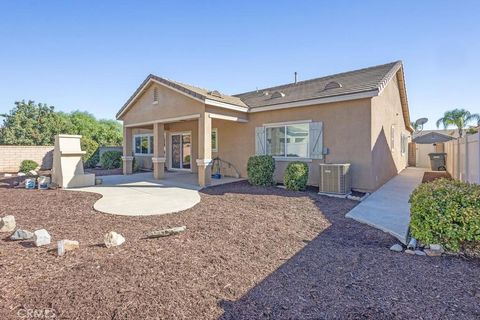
(260, 141)
(316, 140)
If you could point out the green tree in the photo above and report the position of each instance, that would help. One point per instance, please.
(37, 124)
(458, 118)
(31, 124)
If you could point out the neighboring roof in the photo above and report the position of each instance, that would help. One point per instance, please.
(358, 81)
(368, 82)
(194, 92)
(432, 137)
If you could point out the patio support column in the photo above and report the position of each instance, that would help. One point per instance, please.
(158, 159)
(204, 149)
(127, 151)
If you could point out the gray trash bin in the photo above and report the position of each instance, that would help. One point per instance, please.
(437, 161)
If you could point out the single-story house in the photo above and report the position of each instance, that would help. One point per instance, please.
(359, 117)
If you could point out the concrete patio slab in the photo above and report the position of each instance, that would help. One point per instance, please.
(141, 195)
(387, 208)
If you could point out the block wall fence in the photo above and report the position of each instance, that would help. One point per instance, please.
(12, 156)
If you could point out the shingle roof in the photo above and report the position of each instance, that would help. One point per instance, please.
(432, 137)
(363, 80)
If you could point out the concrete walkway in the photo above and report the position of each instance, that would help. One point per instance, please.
(387, 208)
(141, 195)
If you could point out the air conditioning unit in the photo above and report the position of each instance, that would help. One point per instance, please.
(335, 178)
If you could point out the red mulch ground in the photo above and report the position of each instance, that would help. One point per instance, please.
(247, 253)
(430, 176)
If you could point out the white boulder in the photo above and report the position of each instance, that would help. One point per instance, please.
(7, 224)
(21, 235)
(20, 174)
(66, 245)
(113, 239)
(41, 238)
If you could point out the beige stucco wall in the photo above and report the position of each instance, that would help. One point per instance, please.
(346, 134)
(387, 111)
(171, 104)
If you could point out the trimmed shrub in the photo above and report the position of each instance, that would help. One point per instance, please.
(296, 176)
(446, 212)
(28, 165)
(111, 159)
(91, 157)
(260, 170)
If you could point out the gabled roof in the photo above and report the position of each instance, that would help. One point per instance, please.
(432, 137)
(195, 92)
(358, 81)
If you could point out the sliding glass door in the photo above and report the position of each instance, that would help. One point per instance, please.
(181, 147)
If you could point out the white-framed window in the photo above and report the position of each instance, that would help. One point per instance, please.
(143, 144)
(403, 143)
(287, 141)
(214, 140)
(392, 137)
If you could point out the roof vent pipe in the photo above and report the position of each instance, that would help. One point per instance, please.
(295, 74)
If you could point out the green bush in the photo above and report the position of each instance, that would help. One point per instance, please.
(91, 157)
(28, 165)
(111, 159)
(296, 176)
(260, 170)
(446, 212)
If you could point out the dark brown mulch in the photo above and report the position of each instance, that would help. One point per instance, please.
(430, 176)
(247, 253)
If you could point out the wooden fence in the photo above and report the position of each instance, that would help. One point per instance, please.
(463, 158)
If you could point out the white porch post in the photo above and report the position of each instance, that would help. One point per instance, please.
(158, 159)
(127, 151)
(204, 149)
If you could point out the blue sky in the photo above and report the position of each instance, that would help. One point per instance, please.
(92, 55)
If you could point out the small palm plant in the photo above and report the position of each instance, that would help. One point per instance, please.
(458, 118)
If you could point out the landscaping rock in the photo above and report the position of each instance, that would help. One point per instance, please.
(408, 251)
(113, 239)
(66, 245)
(21, 235)
(7, 175)
(396, 247)
(166, 232)
(33, 172)
(7, 224)
(420, 253)
(41, 238)
(437, 247)
(20, 174)
(432, 253)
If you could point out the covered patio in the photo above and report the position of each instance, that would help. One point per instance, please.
(168, 126)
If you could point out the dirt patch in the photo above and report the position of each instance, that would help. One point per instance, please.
(430, 176)
(247, 253)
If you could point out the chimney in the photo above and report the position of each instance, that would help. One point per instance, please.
(295, 73)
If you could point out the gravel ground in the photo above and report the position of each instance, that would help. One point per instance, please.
(247, 253)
